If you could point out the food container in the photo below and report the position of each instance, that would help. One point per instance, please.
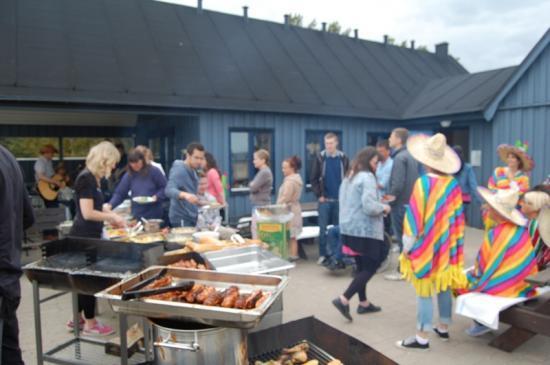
(248, 260)
(64, 228)
(197, 236)
(213, 316)
(193, 343)
(152, 225)
(273, 227)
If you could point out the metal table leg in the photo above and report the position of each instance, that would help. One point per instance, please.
(37, 322)
(147, 335)
(123, 328)
(76, 325)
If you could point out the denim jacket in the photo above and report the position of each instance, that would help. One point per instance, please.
(361, 212)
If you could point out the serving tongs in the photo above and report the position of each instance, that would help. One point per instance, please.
(183, 285)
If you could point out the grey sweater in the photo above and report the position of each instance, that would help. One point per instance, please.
(260, 187)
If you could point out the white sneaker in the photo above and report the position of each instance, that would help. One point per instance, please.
(321, 260)
(393, 277)
(394, 248)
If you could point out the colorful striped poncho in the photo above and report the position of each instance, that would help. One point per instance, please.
(504, 260)
(435, 218)
(500, 180)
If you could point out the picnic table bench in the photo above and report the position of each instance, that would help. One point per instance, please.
(527, 319)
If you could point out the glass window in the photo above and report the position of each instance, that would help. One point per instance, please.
(78, 147)
(242, 146)
(28, 147)
(314, 145)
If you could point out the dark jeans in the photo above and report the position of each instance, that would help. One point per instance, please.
(86, 304)
(328, 214)
(10, 353)
(51, 203)
(366, 268)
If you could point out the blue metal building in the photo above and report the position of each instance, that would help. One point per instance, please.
(164, 75)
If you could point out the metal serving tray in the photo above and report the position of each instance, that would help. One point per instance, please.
(213, 316)
(248, 260)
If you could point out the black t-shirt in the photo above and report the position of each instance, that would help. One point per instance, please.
(85, 187)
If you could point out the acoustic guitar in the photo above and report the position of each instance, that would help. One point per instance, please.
(49, 191)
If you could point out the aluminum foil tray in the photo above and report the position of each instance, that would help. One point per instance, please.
(213, 316)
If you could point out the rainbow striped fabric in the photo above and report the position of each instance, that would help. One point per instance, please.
(505, 259)
(435, 217)
(499, 180)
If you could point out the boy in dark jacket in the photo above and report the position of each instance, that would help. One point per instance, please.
(327, 173)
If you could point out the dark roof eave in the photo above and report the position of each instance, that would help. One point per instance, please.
(97, 98)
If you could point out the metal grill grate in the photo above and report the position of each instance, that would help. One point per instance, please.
(314, 353)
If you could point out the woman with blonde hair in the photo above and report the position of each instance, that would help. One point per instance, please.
(536, 207)
(89, 219)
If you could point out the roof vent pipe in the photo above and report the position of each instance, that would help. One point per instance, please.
(287, 20)
(245, 13)
(412, 44)
(356, 33)
(442, 49)
(324, 26)
(386, 37)
(199, 6)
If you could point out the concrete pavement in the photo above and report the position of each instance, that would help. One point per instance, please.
(310, 291)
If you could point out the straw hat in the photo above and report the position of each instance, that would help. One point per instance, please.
(520, 150)
(544, 225)
(504, 201)
(434, 152)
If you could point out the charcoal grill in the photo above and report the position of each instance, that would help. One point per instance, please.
(86, 266)
(314, 353)
(326, 342)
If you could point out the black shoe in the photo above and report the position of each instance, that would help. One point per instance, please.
(370, 309)
(444, 336)
(412, 344)
(326, 262)
(336, 265)
(342, 308)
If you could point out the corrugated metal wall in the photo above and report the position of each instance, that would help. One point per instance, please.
(525, 114)
(289, 139)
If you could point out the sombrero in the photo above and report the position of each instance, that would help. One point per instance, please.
(434, 152)
(504, 201)
(520, 150)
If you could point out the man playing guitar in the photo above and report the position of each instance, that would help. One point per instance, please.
(44, 175)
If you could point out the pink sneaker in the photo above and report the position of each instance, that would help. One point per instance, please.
(99, 330)
(70, 325)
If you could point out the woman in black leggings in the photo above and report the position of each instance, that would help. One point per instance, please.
(89, 219)
(362, 228)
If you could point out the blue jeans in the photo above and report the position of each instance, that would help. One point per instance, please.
(424, 310)
(335, 243)
(328, 214)
(184, 223)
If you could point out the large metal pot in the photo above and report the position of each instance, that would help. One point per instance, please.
(197, 344)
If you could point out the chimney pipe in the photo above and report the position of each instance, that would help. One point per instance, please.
(412, 44)
(386, 39)
(245, 13)
(287, 20)
(442, 49)
(199, 6)
(324, 26)
(356, 33)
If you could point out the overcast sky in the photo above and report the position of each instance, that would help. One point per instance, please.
(483, 34)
